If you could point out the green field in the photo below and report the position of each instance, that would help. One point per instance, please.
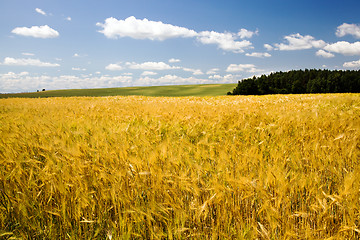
(155, 91)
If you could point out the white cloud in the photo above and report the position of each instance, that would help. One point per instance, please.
(228, 78)
(27, 62)
(146, 29)
(345, 29)
(345, 48)
(299, 42)
(173, 60)
(353, 64)
(78, 69)
(268, 47)
(142, 29)
(68, 19)
(215, 76)
(194, 71)
(38, 10)
(213, 71)
(242, 68)
(28, 54)
(165, 80)
(114, 67)
(232, 78)
(324, 54)
(225, 41)
(24, 82)
(76, 55)
(258, 54)
(150, 66)
(23, 73)
(148, 73)
(36, 32)
(175, 80)
(244, 33)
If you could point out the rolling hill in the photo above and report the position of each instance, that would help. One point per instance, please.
(155, 91)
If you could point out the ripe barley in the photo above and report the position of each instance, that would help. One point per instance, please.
(269, 167)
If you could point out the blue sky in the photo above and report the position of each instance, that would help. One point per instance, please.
(63, 44)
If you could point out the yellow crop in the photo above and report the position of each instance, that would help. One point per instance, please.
(258, 167)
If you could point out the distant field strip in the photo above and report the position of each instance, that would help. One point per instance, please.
(155, 91)
(229, 167)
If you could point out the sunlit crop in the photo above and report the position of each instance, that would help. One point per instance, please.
(258, 167)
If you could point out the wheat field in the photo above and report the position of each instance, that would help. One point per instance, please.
(231, 167)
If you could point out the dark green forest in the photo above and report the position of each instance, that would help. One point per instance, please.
(300, 81)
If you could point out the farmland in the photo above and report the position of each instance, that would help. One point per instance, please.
(198, 90)
(136, 167)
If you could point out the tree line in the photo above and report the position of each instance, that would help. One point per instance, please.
(300, 81)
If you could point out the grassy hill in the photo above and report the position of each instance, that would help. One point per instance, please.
(155, 91)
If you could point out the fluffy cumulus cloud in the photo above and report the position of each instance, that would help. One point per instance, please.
(228, 78)
(165, 80)
(193, 71)
(177, 80)
(150, 66)
(213, 71)
(215, 76)
(78, 69)
(348, 29)
(148, 73)
(258, 55)
(345, 48)
(242, 68)
(268, 47)
(353, 64)
(324, 54)
(27, 62)
(38, 10)
(156, 30)
(299, 42)
(25, 82)
(114, 67)
(142, 29)
(244, 33)
(174, 60)
(36, 32)
(225, 41)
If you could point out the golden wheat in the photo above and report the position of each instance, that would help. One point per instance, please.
(267, 167)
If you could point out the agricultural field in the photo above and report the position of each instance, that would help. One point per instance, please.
(198, 90)
(136, 167)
